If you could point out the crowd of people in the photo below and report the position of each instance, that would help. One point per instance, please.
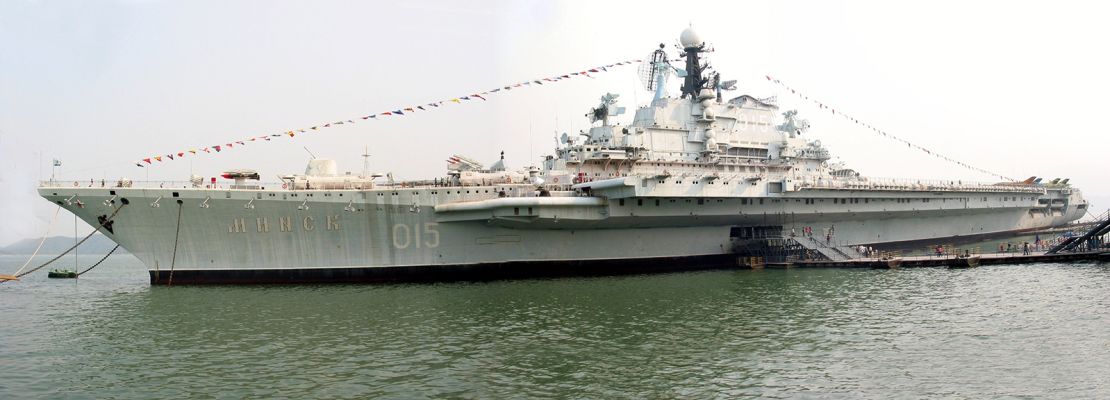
(807, 231)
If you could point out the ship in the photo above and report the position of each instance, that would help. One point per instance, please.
(694, 181)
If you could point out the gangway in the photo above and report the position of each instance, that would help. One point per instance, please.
(830, 252)
(1101, 227)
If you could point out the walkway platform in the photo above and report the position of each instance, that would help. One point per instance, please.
(949, 260)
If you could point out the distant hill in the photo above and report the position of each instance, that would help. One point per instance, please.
(98, 244)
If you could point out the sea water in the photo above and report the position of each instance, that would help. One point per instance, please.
(1038, 331)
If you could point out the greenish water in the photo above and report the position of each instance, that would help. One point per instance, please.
(1039, 331)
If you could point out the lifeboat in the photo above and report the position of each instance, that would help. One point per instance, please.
(243, 174)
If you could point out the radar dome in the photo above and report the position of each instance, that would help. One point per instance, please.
(321, 167)
(689, 38)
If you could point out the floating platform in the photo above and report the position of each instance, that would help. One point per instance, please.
(62, 274)
(955, 261)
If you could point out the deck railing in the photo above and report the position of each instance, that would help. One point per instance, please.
(157, 184)
(275, 186)
(871, 183)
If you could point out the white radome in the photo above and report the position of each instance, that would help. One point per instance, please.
(689, 38)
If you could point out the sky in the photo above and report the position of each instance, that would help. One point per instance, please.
(1011, 87)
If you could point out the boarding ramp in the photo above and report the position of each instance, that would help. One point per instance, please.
(831, 252)
(1100, 227)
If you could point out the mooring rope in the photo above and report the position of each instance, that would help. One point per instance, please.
(173, 259)
(41, 241)
(95, 230)
(98, 262)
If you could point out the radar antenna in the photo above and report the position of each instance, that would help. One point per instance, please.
(651, 67)
(654, 71)
(607, 108)
(721, 85)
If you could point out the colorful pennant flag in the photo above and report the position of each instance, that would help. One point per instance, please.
(398, 112)
(856, 121)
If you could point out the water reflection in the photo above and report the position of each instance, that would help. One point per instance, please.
(1036, 330)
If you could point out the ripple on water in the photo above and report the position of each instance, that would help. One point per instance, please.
(999, 331)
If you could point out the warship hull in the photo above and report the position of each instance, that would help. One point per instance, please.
(215, 236)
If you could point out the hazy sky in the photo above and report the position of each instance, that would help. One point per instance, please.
(1015, 87)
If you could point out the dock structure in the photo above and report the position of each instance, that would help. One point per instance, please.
(1089, 246)
(1100, 228)
(952, 260)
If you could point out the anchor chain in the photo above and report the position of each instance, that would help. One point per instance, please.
(97, 229)
(98, 262)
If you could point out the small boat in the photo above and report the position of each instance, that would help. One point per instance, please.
(5, 278)
(964, 262)
(889, 263)
(61, 274)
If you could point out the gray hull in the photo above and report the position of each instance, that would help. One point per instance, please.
(241, 236)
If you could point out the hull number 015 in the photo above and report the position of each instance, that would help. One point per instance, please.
(416, 235)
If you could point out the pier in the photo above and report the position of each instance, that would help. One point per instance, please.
(950, 260)
(1089, 246)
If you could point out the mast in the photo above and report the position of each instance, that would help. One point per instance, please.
(366, 161)
(691, 46)
(660, 67)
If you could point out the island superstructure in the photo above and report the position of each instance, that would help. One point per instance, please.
(692, 182)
